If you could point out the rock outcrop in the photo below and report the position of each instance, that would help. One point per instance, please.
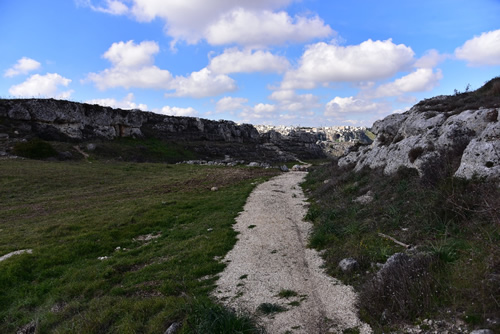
(65, 120)
(60, 120)
(461, 132)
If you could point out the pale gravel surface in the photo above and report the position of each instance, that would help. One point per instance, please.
(275, 256)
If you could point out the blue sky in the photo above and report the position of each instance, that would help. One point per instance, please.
(281, 62)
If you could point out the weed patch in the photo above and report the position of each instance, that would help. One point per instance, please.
(269, 308)
(285, 293)
(35, 149)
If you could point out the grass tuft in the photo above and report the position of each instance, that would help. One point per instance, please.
(285, 293)
(269, 308)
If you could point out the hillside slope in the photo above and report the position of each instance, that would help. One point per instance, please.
(413, 220)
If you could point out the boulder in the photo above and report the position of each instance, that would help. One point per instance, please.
(348, 265)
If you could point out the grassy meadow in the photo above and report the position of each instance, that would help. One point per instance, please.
(118, 247)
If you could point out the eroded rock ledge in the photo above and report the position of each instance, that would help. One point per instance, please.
(61, 120)
(458, 132)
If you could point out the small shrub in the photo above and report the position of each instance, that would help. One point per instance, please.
(384, 139)
(207, 317)
(404, 290)
(285, 293)
(35, 149)
(415, 153)
(492, 116)
(268, 308)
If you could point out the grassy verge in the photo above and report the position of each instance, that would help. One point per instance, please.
(143, 150)
(157, 229)
(453, 267)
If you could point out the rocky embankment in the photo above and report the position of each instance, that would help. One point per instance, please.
(460, 132)
(58, 120)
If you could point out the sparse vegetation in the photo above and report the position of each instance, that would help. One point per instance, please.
(452, 224)
(143, 150)
(35, 149)
(148, 223)
(286, 293)
(487, 96)
(269, 308)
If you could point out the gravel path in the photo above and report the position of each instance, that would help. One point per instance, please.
(271, 255)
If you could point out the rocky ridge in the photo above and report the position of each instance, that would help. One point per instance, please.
(59, 120)
(461, 132)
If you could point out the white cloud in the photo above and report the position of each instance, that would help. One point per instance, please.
(132, 67)
(370, 60)
(201, 84)
(423, 79)
(126, 103)
(430, 59)
(42, 85)
(175, 111)
(352, 105)
(113, 7)
(193, 20)
(289, 100)
(264, 108)
(23, 66)
(236, 61)
(229, 103)
(481, 50)
(267, 28)
(147, 77)
(132, 55)
(261, 113)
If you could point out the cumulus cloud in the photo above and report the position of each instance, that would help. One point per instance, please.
(267, 28)
(132, 67)
(201, 84)
(131, 55)
(423, 79)
(259, 114)
(126, 103)
(289, 100)
(236, 61)
(481, 50)
(231, 104)
(176, 111)
(42, 85)
(23, 66)
(351, 105)
(193, 20)
(264, 108)
(370, 60)
(430, 59)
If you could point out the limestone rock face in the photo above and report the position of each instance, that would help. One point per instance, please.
(422, 137)
(61, 120)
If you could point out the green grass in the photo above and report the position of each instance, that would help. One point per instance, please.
(143, 150)
(286, 293)
(454, 222)
(72, 213)
(35, 149)
(269, 308)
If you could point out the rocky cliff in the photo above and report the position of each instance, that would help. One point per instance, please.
(60, 120)
(459, 132)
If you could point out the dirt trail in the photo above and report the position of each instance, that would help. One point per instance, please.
(271, 255)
